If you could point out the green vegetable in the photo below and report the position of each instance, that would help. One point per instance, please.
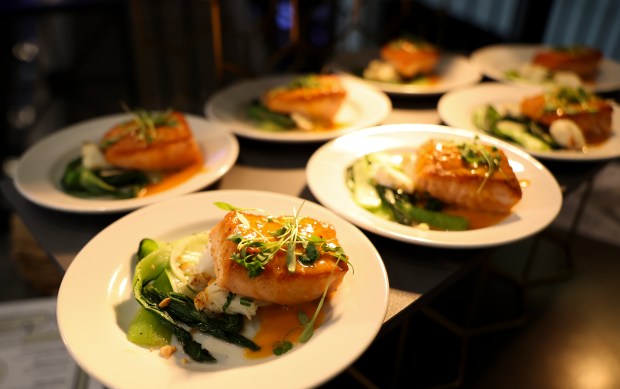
(182, 309)
(517, 132)
(361, 184)
(79, 181)
(146, 247)
(405, 212)
(269, 120)
(147, 330)
(148, 269)
(485, 117)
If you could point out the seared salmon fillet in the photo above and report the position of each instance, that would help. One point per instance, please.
(275, 284)
(410, 57)
(166, 144)
(582, 60)
(318, 97)
(592, 115)
(443, 170)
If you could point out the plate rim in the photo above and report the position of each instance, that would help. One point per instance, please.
(258, 84)
(102, 206)
(83, 261)
(370, 222)
(478, 55)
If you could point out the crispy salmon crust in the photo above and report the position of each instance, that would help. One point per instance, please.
(410, 59)
(317, 97)
(275, 284)
(172, 147)
(442, 172)
(594, 122)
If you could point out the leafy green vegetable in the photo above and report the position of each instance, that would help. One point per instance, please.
(405, 212)
(79, 181)
(181, 308)
(520, 130)
(269, 120)
(148, 269)
(146, 247)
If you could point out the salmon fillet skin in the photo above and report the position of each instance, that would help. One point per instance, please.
(275, 283)
(169, 147)
(442, 170)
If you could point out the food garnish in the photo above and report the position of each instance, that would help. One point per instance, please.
(440, 185)
(308, 102)
(556, 119)
(132, 155)
(171, 279)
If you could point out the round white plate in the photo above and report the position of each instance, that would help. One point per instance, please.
(495, 60)
(95, 303)
(364, 106)
(326, 171)
(456, 109)
(41, 167)
(453, 70)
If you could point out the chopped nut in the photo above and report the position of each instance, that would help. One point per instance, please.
(164, 303)
(167, 351)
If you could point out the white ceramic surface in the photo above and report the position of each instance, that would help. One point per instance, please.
(456, 109)
(40, 168)
(95, 303)
(364, 106)
(326, 170)
(495, 60)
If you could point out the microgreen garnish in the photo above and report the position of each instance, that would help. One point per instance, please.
(478, 155)
(282, 347)
(143, 125)
(307, 81)
(255, 251)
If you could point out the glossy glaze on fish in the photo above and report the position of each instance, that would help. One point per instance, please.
(592, 115)
(133, 145)
(318, 98)
(443, 172)
(410, 58)
(276, 284)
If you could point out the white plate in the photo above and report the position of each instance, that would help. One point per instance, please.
(456, 109)
(364, 106)
(538, 207)
(95, 303)
(495, 60)
(453, 70)
(40, 168)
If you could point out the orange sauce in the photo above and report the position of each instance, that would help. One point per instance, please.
(279, 323)
(172, 179)
(477, 219)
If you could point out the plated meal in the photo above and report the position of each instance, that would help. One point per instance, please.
(298, 108)
(135, 158)
(121, 162)
(560, 122)
(435, 185)
(570, 65)
(409, 66)
(252, 287)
